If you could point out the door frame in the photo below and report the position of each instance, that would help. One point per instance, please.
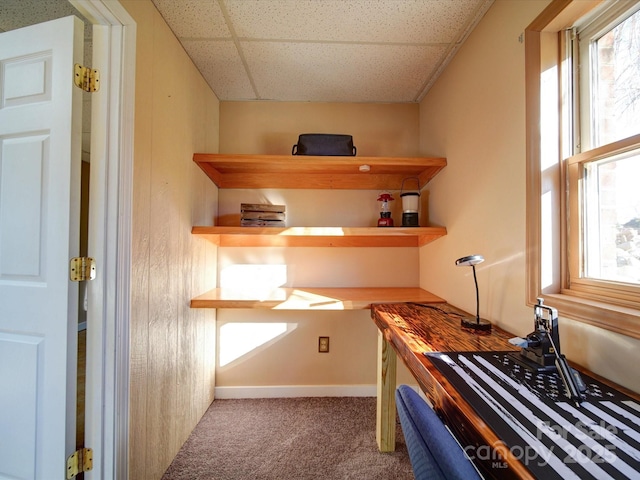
(111, 184)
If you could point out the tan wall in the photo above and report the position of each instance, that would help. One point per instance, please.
(475, 117)
(172, 346)
(292, 357)
(272, 128)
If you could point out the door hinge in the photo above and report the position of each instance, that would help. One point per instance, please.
(80, 461)
(86, 78)
(82, 269)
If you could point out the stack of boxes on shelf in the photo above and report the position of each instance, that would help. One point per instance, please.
(262, 215)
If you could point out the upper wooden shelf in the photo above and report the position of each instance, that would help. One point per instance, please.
(312, 172)
(302, 298)
(320, 236)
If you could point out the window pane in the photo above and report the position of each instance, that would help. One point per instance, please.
(617, 83)
(612, 219)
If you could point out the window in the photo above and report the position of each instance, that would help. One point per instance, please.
(584, 161)
(611, 213)
(609, 79)
(607, 203)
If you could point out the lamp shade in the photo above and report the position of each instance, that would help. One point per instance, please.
(410, 201)
(469, 260)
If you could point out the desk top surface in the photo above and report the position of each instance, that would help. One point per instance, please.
(434, 328)
(488, 402)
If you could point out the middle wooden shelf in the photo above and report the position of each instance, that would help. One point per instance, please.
(311, 298)
(320, 236)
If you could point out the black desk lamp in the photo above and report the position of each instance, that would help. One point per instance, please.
(477, 324)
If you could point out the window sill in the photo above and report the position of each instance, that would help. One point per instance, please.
(623, 320)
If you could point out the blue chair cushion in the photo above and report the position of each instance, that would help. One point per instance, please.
(433, 451)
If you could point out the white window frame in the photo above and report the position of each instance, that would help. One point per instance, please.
(548, 196)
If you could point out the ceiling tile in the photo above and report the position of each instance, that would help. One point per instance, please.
(406, 21)
(194, 18)
(21, 13)
(221, 67)
(339, 72)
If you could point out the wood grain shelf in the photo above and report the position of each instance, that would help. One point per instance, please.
(310, 172)
(320, 236)
(313, 172)
(311, 298)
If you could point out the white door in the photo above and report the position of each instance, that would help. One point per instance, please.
(40, 128)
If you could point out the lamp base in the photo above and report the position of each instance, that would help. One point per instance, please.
(480, 327)
(410, 219)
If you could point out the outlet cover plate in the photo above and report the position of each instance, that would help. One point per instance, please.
(323, 344)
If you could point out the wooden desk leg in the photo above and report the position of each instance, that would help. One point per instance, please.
(386, 400)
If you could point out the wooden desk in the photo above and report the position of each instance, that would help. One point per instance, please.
(411, 330)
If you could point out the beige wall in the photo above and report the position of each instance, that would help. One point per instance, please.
(172, 346)
(272, 128)
(291, 358)
(475, 116)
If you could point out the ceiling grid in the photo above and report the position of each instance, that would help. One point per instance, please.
(370, 51)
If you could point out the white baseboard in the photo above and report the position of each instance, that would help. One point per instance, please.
(284, 391)
(288, 391)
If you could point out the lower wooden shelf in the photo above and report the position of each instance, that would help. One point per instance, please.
(311, 298)
(320, 236)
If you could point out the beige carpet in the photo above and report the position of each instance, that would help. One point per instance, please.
(289, 438)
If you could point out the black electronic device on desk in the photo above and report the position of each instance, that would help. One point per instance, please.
(541, 352)
(557, 423)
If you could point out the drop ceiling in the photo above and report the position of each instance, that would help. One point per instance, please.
(21, 13)
(374, 51)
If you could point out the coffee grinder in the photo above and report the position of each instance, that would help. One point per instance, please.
(410, 204)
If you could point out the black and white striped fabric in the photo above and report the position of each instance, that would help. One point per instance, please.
(534, 419)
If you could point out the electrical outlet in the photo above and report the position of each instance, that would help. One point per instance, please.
(323, 344)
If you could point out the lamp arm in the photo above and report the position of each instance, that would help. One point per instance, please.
(477, 295)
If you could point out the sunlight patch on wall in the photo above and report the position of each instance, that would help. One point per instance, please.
(254, 277)
(240, 339)
(546, 242)
(549, 201)
(549, 119)
(318, 231)
(309, 300)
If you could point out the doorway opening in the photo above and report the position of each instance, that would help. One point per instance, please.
(109, 35)
(23, 13)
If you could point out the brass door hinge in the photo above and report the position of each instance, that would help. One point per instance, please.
(80, 461)
(86, 78)
(82, 269)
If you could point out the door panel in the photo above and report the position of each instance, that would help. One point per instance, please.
(22, 170)
(26, 79)
(40, 132)
(19, 369)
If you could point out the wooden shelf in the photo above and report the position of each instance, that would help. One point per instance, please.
(311, 298)
(311, 172)
(320, 236)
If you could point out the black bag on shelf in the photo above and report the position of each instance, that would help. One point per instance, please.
(324, 144)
